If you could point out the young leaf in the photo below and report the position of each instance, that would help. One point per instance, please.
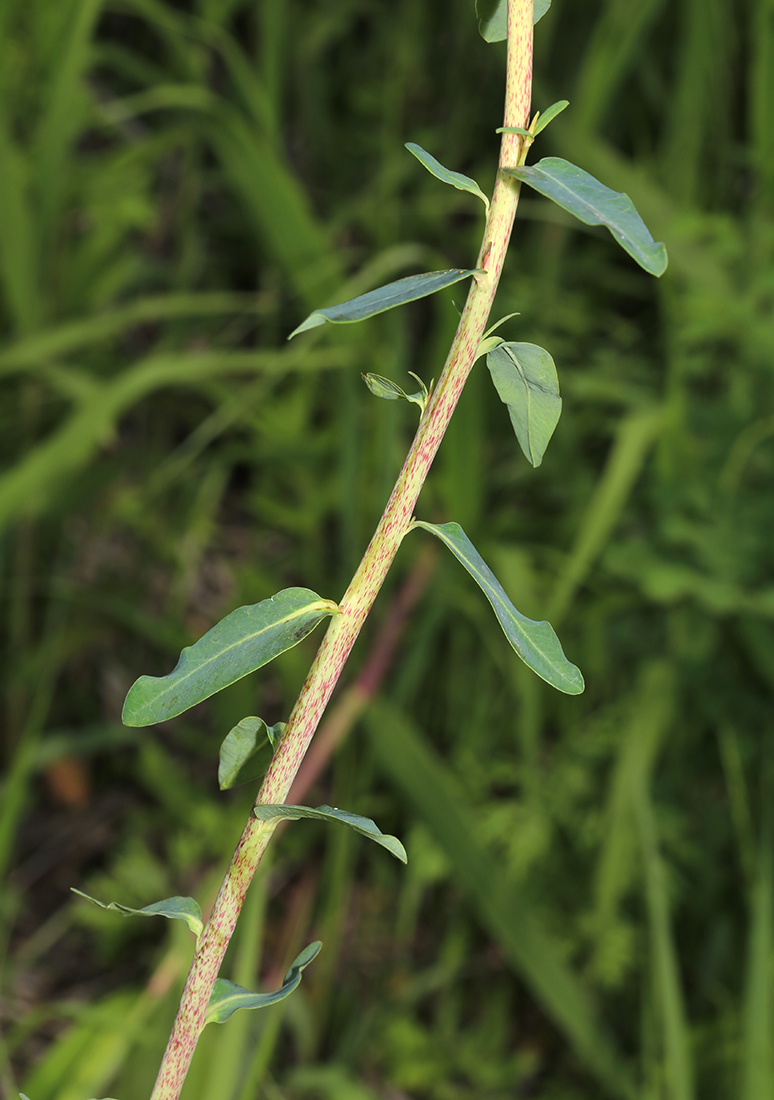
(386, 297)
(493, 17)
(245, 640)
(535, 642)
(184, 909)
(548, 115)
(525, 379)
(594, 204)
(391, 391)
(246, 752)
(455, 179)
(362, 825)
(227, 997)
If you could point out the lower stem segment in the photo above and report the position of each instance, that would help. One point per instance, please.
(367, 581)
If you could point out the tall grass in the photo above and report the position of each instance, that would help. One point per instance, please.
(171, 182)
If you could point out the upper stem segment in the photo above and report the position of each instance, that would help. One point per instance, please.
(359, 597)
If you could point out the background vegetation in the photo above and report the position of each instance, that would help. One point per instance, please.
(588, 905)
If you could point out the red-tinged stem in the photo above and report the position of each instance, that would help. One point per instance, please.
(367, 581)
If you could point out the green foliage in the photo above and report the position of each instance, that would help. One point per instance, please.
(525, 378)
(227, 997)
(246, 751)
(454, 179)
(184, 909)
(493, 17)
(362, 825)
(247, 639)
(410, 289)
(535, 642)
(594, 204)
(180, 243)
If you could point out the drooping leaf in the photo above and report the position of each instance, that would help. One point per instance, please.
(245, 640)
(227, 997)
(386, 297)
(549, 114)
(493, 17)
(535, 642)
(246, 751)
(363, 825)
(525, 379)
(391, 391)
(594, 204)
(454, 179)
(184, 909)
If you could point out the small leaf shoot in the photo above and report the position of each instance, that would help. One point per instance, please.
(446, 175)
(391, 391)
(363, 825)
(540, 121)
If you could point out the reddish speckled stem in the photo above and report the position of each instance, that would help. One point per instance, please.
(359, 597)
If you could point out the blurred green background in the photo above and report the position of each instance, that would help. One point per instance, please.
(587, 909)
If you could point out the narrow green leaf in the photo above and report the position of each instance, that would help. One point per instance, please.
(184, 909)
(594, 204)
(227, 997)
(493, 17)
(391, 391)
(497, 324)
(245, 640)
(525, 379)
(363, 825)
(454, 179)
(535, 642)
(246, 752)
(386, 297)
(549, 114)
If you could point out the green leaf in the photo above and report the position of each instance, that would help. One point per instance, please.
(246, 752)
(391, 391)
(386, 297)
(535, 642)
(245, 640)
(455, 179)
(227, 997)
(363, 825)
(493, 17)
(184, 909)
(548, 115)
(525, 379)
(594, 204)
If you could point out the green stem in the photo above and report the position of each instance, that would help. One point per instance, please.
(359, 597)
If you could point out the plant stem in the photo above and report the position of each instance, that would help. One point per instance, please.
(364, 587)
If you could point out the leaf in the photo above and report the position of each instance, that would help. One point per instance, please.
(227, 997)
(246, 752)
(455, 179)
(391, 391)
(525, 379)
(363, 825)
(594, 204)
(548, 115)
(535, 642)
(184, 909)
(493, 17)
(386, 297)
(245, 640)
